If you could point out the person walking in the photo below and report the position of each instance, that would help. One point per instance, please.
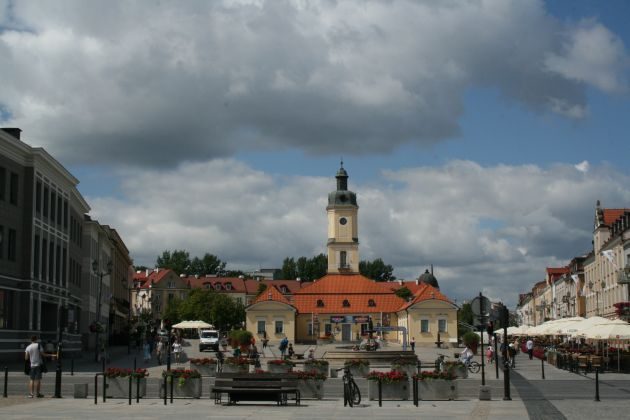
(34, 359)
(284, 343)
(490, 355)
(158, 350)
(177, 350)
(530, 348)
(412, 343)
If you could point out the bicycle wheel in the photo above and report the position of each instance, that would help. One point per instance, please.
(355, 393)
(347, 394)
(474, 367)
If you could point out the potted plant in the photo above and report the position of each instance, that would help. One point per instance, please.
(317, 365)
(236, 365)
(457, 368)
(241, 339)
(471, 340)
(186, 383)
(394, 385)
(407, 365)
(118, 382)
(206, 366)
(311, 384)
(280, 365)
(433, 385)
(358, 367)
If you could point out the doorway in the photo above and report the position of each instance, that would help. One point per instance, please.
(346, 332)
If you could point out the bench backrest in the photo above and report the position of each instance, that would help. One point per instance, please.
(227, 383)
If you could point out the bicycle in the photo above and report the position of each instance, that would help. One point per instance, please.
(351, 393)
(471, 365)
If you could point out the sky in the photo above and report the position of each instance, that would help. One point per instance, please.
(478, 135)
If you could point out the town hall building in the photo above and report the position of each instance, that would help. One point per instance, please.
(339, 306)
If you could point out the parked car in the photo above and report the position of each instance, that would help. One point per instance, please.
(209, 339)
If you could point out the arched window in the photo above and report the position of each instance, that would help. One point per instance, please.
(228, 286)
(320, 303)
(343, 259)
(346, 303)
(284, 289)
(217, 286)
(371, 303)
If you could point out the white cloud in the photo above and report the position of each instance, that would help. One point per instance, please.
(199, 80)
(437, 215)
(582, 166)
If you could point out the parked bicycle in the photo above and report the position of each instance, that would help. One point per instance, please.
(351, 393)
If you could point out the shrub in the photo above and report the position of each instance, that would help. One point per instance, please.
(240, 338)
(429, 375)
(182, 375)
(398, 363)
(471, 339)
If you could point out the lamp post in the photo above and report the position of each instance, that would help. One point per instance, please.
(100, 274)
(129, 288)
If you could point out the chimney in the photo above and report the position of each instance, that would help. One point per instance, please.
(241, 276)
(182, 275)
(417, 281)
(196, 276)
(269, 296)
(13, 131)
(298, 279)
(138, 271)
(400, 282)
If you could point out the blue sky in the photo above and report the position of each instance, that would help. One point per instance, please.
(477, 135)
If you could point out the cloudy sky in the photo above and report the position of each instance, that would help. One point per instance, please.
(478, 135)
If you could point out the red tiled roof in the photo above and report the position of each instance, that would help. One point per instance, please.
(426, 292)
(344, 284)
(272, 294)
(292, 285)
(557, 270)
(333, 303)
(154, 276)
(238, 284)
(611, 215)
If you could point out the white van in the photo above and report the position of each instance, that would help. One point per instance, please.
(209, 339)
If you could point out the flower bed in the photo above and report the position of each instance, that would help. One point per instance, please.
(457, 368)
(280, 365)
(206, 366)
(320, 366)
(118, 382)
(394, 385)
(236, 365)
(436, 385)
(311, 384)
(406, 365)
(187, 385)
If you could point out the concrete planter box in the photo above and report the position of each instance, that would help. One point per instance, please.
(437, 390)
(273, 368)
(360, 371)
(390, 390)
(80, 390)
(191, 388)
(319, 368)
(205, 370)
(410, 370)
(311, 388)
(460, 371)
(235, 368)
(119, 387)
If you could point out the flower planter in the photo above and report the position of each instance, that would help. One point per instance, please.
(235, 368)
(360, 371)
(190, 389)
(398, 390)
(319, 368)
(205, 370)
(460, 371)
(410, 370)
(438, 389)
(275, 368)
(311, 388)
(119, 387)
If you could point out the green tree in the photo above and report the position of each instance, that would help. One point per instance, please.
(209, 264)
(217, 309)
(307, 269)
(376, 270)
(464, 315)
(261, 288)
(289, 269)
(178, 261)
(172, 311)
(403, 293)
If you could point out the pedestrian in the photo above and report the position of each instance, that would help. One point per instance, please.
(311, 354)
(489, 355)
(146, 347)
(159, 349)
(284, 343)
(290, 351)
(177, 349)
(412, 343)
(265, 341)
(512, 353)
(530, 348)
(34, 361)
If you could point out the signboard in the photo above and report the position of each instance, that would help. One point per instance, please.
(385, 329)
(360, 319)
(480, 306)
(336, 319)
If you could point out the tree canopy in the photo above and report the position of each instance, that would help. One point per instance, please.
(307, 269)
(180, 262)
(376, 270)
(206, 305)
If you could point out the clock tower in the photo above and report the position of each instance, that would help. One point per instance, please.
(343, 236)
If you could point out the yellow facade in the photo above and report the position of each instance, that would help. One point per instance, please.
(278, 319)
(344, 331)
(427, 318)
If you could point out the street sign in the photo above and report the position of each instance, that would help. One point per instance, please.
(480, 306)
(385, 329)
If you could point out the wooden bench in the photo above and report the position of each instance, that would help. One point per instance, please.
(256, 387)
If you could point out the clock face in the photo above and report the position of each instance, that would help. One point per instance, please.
(343, 221)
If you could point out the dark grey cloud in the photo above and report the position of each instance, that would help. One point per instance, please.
(157, 83)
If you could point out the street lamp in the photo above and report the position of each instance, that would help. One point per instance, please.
(101, 274)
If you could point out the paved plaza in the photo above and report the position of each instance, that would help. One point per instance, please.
(560, 395)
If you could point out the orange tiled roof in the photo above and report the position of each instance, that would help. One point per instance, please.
(557, 270)
(292, 285)
(427, 292)
(358, 303)
(344, 284)
(272, 294)
(237, 283)
(611, 215)
(154, 276)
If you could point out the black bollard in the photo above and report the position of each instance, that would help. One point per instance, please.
(103, 364)
(5, 394)
(496, 356)
(380, 392)
(542, 366)
(597, 384)
(134, 364)
(172, 383)
(415, 390)
(95, 389)
(58, 373)
(506, 382)
(138, 390)
(165, 376)
(130, 378)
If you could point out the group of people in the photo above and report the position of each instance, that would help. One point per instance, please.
(159, 345)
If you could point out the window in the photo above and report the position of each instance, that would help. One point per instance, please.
(424, 325)
(12, 246)
(284, 289)
(342, 259)
(59, 209)
(217, 286)
(228, 286)
(45, 210)
(320, 303)
(442, 325)
(3, 182)
(364, 328)
(171, 297)
(13, 192)
(371, 303)
(239, 300)
(38, 197)
(261, 327)
(65, 214)
(328, 329)
(171, 284)
(53, 206)
(309, 327)
(44, 275)
(346, 303)
(279, 327)
(35, 256)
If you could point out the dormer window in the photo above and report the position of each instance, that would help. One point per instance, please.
(346, 303)
(217, 286)
(371, 303)
(284, 289)
(320, 303)
(228, 286)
